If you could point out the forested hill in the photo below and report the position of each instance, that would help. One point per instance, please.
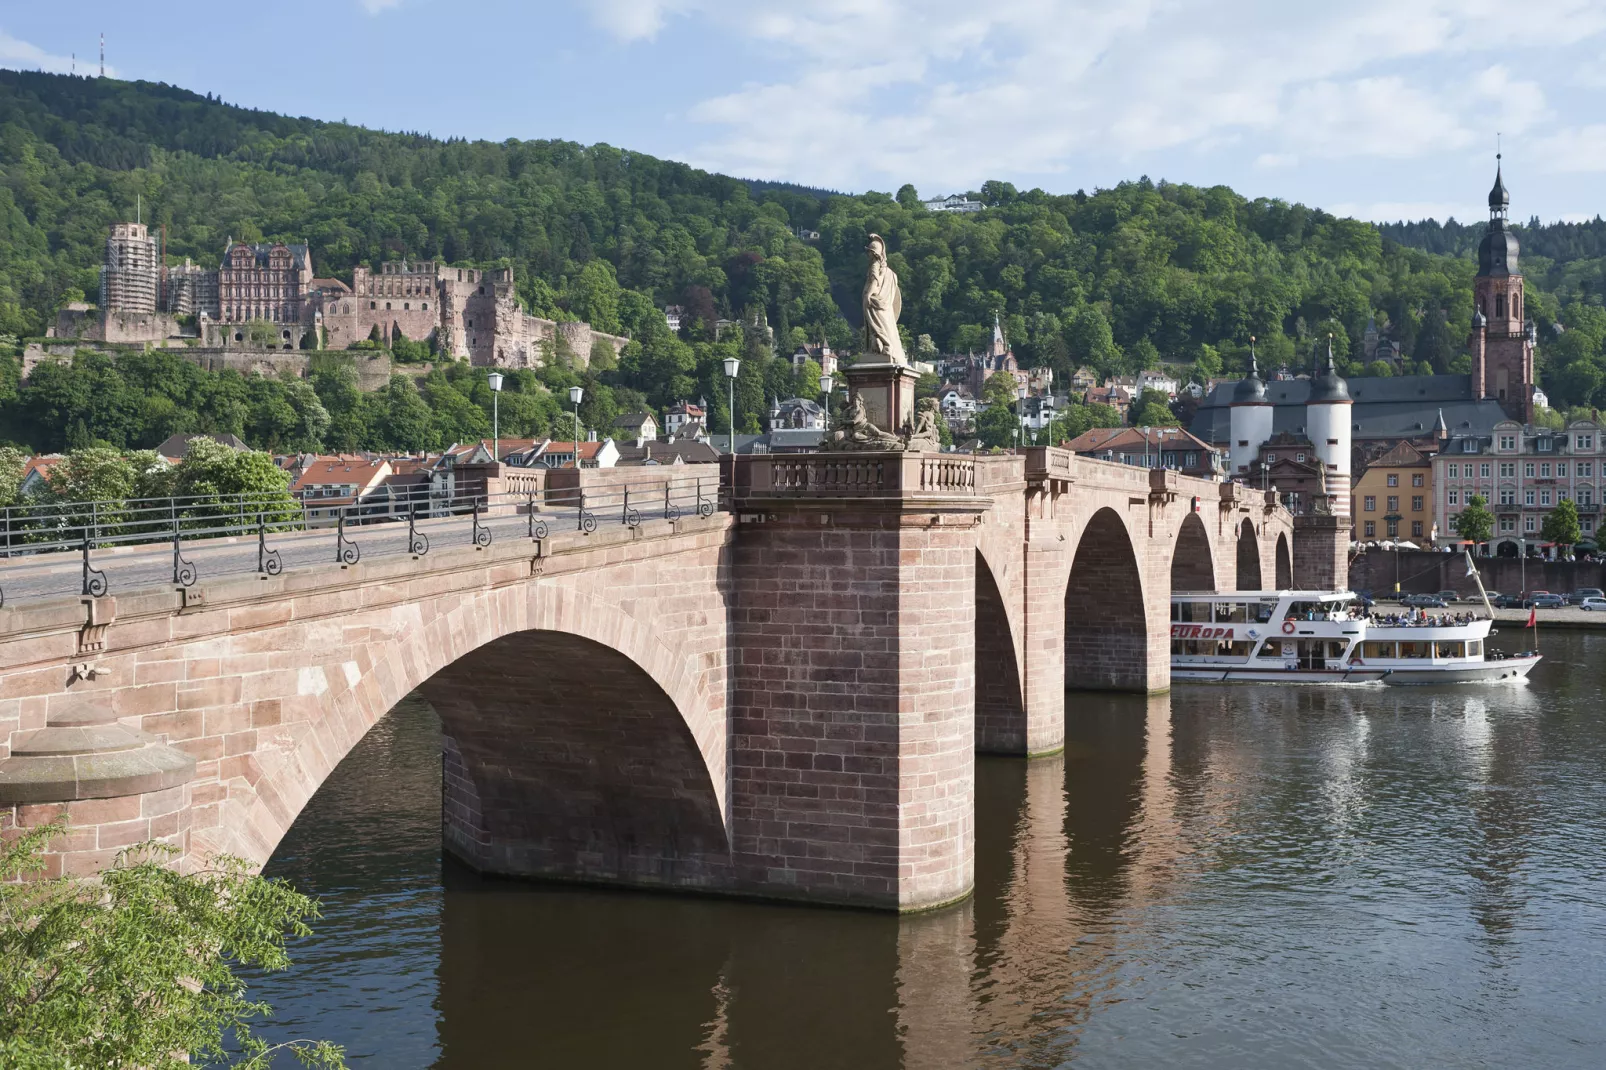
(1118, 278)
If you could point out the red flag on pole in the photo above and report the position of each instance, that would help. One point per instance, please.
(1533, 617)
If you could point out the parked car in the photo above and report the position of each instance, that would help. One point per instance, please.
(1424, 601)
(1364, 599)
(1546, 600)
(1449, 596)
(1594, 605)
(1508, 601)
(1578, 596)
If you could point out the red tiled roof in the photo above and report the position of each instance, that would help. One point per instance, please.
(324, 471)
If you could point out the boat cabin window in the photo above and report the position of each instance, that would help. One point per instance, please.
(1416, 649)
(1214, 613)
(1450, 650)
(1373, 649)
(1474, 648)
(1213, 648)
(1274, 648)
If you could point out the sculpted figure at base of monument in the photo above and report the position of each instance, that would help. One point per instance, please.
(854, 431)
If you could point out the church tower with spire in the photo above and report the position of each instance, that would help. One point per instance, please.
(1502, 341)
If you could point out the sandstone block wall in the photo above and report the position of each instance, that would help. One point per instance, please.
(852, 737)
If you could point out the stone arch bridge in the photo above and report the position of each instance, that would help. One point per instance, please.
(781, 699)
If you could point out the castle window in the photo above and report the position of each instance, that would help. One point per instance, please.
(1499, 306)
(387, 306)
(373, 304)
(425, 306)
(407, 306)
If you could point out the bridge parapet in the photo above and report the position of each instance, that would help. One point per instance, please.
(862, 475)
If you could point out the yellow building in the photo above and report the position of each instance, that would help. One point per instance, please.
(1393, 498)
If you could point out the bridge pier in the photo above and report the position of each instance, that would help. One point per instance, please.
(853, 741)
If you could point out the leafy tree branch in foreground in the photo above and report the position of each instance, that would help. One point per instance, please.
(137, 969)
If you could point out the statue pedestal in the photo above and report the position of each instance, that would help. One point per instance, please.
(888, 393)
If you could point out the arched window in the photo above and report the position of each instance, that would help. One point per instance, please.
(1499, 306)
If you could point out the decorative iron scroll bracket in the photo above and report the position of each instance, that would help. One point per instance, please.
(346, 551)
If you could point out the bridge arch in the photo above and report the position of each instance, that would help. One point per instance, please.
(1106, 626)
(1193, 565)
(1285, 563)
(1250, 577)
(1000, 705)
(581, 744)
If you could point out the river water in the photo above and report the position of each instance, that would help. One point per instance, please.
(1234, 877)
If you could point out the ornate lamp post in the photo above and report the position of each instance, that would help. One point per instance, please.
(825, 388)
(732, 366)
(495, 379)
(575, 394)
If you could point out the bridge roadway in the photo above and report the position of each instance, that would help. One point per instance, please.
(781, 699)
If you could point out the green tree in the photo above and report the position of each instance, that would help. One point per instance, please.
(1152, 409)
(261, 332)
(137, 970)
(1474, 523)
(594, 297)
(220, 481)
(996, 426)
(1560, 525)
(13, 463)
(999, 390)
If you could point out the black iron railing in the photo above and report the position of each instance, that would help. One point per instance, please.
(180, 541)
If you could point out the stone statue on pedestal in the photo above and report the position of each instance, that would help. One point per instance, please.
(883, 304)
(880, 414)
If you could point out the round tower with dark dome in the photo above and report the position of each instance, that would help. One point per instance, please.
(1250, 419)
(1501, 345)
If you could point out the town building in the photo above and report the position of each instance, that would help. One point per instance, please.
(637, 427)
(681, 413)
(999, 357)
(959, 407)
(176, 447)
(953, 203)
(1421, 409)
(1038, 411)
(1151, 447)
(798, 414)
(679, 452)
(1522, 472)
(1393, 497)
(331, 485)
(820, 354)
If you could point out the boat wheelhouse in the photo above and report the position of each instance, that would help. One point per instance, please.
(1325, 637)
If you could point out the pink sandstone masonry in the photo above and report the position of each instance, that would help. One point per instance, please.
(782, 701)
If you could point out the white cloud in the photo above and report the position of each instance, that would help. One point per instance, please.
(1572, 151)
(22, 56)
(631, 20)
(859, 93)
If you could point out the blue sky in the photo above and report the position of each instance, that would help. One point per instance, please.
(1381, 109)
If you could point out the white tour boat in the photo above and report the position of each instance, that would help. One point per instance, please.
(1323, 637)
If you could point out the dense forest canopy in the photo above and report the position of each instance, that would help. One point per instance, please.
(1119, 278)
